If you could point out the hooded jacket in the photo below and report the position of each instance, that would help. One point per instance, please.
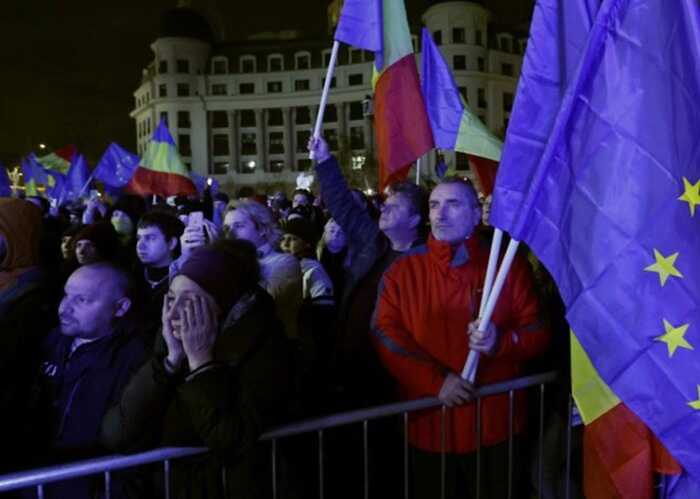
(426, 301)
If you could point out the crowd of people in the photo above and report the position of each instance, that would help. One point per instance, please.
(148, 322)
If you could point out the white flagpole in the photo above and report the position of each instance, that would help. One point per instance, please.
(80, 194)
(418, 164)
(326, 90)
(470, 366)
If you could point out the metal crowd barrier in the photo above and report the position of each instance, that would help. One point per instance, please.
(106, 465)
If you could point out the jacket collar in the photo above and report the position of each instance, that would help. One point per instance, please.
(448, 256)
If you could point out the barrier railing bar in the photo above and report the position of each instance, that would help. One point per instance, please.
(405, 455)
(511, 415)
(540, 449)
(365, 443)
(399, 407)
(443, 467)
(96, 466)
(478, 448)
(166, 477)
(39, 477)
(108, 485)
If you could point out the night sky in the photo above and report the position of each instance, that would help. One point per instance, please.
(68, 69)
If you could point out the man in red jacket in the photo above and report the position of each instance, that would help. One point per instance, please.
(424, 326)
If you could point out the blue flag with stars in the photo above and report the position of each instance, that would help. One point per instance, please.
(610, 206)
(116, 167)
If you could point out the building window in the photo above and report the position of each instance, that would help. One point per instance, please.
(356, 111)
(355, 56)
(248, 166)
(246, 88)
(302, 61)
(274, 87)
(275, 143)
(326, 55)
(218, 89)
(247, 64)
(331, 136)
(303, 137)
(461, 161)
(188, 166)
(301, 85)
(248, 144)
(357, 137)
(183, 90)
(219, 119)
(303, 164)
(505, 44)
(481, 102)
(275, 63)
(276, 165)
(506, 69)
(481, 64)
(183, 66)
(247, 118)
(275, 117)
(355, 79)
(220, 144)
(323, 82)
(220, 168)
(507, 101)
(162, 67)
(183, 119)
(302, 116)
(458, 35)
(459, 62)
(184, 146)
(437, 37)
(463, 93)
(219, 66)
(164, 117)
(330, 114)
(482, 117)
(479, 38)
(414, 43)
(162, 90)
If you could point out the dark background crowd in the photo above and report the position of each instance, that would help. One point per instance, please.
(134, 323)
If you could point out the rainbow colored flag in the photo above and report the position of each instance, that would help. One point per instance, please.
(161, 170)
(59, 160)
(401, 122)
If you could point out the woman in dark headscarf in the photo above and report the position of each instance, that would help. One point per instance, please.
(218, 377)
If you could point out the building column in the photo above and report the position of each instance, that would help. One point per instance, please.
(289, 146)
(260, 139)
(234, 148)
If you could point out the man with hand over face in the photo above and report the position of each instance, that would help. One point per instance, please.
(218, 376)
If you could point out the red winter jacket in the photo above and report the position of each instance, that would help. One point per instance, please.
(426, 301)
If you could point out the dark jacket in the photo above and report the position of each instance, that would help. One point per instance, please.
(224, 408)
(74, 392)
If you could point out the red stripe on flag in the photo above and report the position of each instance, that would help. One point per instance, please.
(401, 121)
(486, 171)
(620, 456)
(147, 181)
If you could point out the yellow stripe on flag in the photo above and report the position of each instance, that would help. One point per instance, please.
(593, 397)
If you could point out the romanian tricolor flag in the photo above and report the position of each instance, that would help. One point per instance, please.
(401, 121)
(58, 160)
(455, 126)
(606, 198)
(161, 171)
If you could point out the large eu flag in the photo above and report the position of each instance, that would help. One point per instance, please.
(600, 176)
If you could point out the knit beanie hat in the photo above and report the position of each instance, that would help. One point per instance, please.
(303, 229)
(103, 236)
(225, 269)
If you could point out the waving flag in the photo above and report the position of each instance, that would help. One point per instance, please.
(5, 184)
(116, 167)
(33, 175)
(76, 179)
(401, 122)
(161, 171)
(606, 198)
(58, 160)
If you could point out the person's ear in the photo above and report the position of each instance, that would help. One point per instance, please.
(172, 243)
(122, 306)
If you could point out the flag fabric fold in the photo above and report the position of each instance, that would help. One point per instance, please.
(600, 177)
(77, 178)
(161, 170)
(116, 167)
(401, 122)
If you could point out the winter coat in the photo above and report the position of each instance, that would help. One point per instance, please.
(225, 407)
(427, 299)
